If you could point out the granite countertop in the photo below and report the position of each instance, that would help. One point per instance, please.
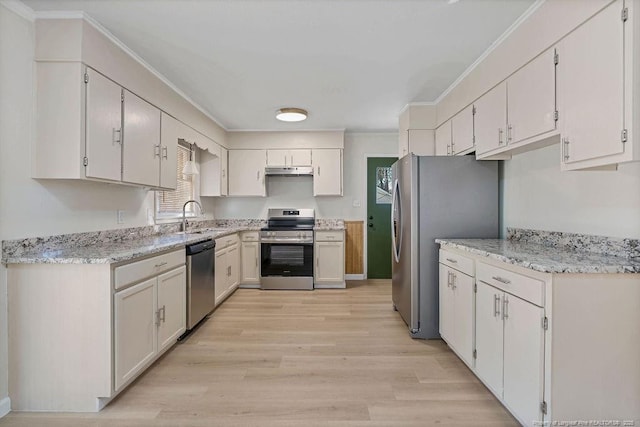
(329, 225)
(123, 250)
(543, 258)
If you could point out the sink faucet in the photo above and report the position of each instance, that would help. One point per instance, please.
(184, 213)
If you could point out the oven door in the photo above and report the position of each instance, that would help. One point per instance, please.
(286, 259)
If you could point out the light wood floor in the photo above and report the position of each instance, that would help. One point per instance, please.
(298, 358)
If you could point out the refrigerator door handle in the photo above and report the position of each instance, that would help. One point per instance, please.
(396, 221)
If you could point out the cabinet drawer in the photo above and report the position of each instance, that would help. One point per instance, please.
(329, 236)
(250, 236)
(527, 288)
(136, 271)
(457, 262)
(226, 241)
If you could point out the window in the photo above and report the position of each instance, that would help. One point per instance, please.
(383, 185)
(169, 203)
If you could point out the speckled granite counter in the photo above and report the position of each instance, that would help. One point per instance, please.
(329, 225)
(544, 258)
(113, 246)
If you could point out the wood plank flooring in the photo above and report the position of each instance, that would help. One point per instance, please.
(298, 358)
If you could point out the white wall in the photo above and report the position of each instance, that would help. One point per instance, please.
(298, 191)
(537, 195)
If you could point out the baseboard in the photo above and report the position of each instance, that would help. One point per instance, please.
(329, 285)
(354, 277)
(5, 406)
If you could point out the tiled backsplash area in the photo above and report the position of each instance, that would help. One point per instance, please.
(627, 248)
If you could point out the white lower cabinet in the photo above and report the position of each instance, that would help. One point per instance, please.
(329, 259)
(250, 258)
(227, 267)
(148, 318)
(510, 340)
(456, 311)
(135, 336)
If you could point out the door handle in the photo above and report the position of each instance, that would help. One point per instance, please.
(370, 225)
(370, 218)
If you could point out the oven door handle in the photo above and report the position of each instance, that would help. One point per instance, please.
(294, 241)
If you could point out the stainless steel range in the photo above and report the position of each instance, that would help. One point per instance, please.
(287, 249)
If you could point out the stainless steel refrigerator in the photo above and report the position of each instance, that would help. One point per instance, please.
(435, 197)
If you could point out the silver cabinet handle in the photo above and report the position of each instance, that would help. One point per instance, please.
(454, 279)
(505, 308)
(448, 279)
(156, 150)
(453, 143)
(448, 149)
(496, 305)
(165, 152)
(161, 264)
(509, 133)
(223, 172)
(500, 132)
(258, 175)
(318, 170)
(163, 312)
(565, 149)
(158, 317)
(229, 271)
(501, 279)
(455, 261)
(317, 262)
(117, 136)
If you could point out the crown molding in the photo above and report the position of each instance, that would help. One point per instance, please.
(491, 48)
(105, 32)
(285, 130)
(20, 9)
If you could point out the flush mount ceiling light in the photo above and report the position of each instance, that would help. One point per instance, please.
(291, 114)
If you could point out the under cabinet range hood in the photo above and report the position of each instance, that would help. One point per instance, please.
(289, 171)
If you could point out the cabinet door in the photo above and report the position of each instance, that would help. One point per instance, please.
(299, 157)
(169, 134)
(446, 305)
(462, 131)
(250, 257)
(213, 172)
(221, 275)
(421, 142)
(277, 158)
(463, 312)
(135, 330)
(172, 304)
(233, 255)
(329, 262)
(327, 172)
(531, 99)
(591, 88)
(141, 136)
(489, 336)
(104, 128)
(490, 120)
(403, 143)
(523, 358)
(224, 171)
(246, 172)
(443, 139)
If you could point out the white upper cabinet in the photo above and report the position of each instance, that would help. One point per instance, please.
(421, 142)
(531, 99)
(142, 148)
(462, 131)
(490, 120)
(213, 173)
(169, 135)
(246, 172)
(104, 128)
(595, 90)
(443, 139)
(289, 158)
(327, 172)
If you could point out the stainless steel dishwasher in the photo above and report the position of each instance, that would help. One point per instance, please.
(201, 294)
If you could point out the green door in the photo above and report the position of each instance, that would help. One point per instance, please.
(378, 222)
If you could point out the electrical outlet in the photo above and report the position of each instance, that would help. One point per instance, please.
(356, 203)
(120, 216)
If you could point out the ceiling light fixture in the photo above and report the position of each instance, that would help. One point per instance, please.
(291, 114)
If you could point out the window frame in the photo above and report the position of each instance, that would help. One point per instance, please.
(167, 217)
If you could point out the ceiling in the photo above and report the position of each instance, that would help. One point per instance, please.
(353, 64)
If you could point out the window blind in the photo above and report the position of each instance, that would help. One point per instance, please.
(169, 203)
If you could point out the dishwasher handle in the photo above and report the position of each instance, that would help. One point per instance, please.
(196, 248)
